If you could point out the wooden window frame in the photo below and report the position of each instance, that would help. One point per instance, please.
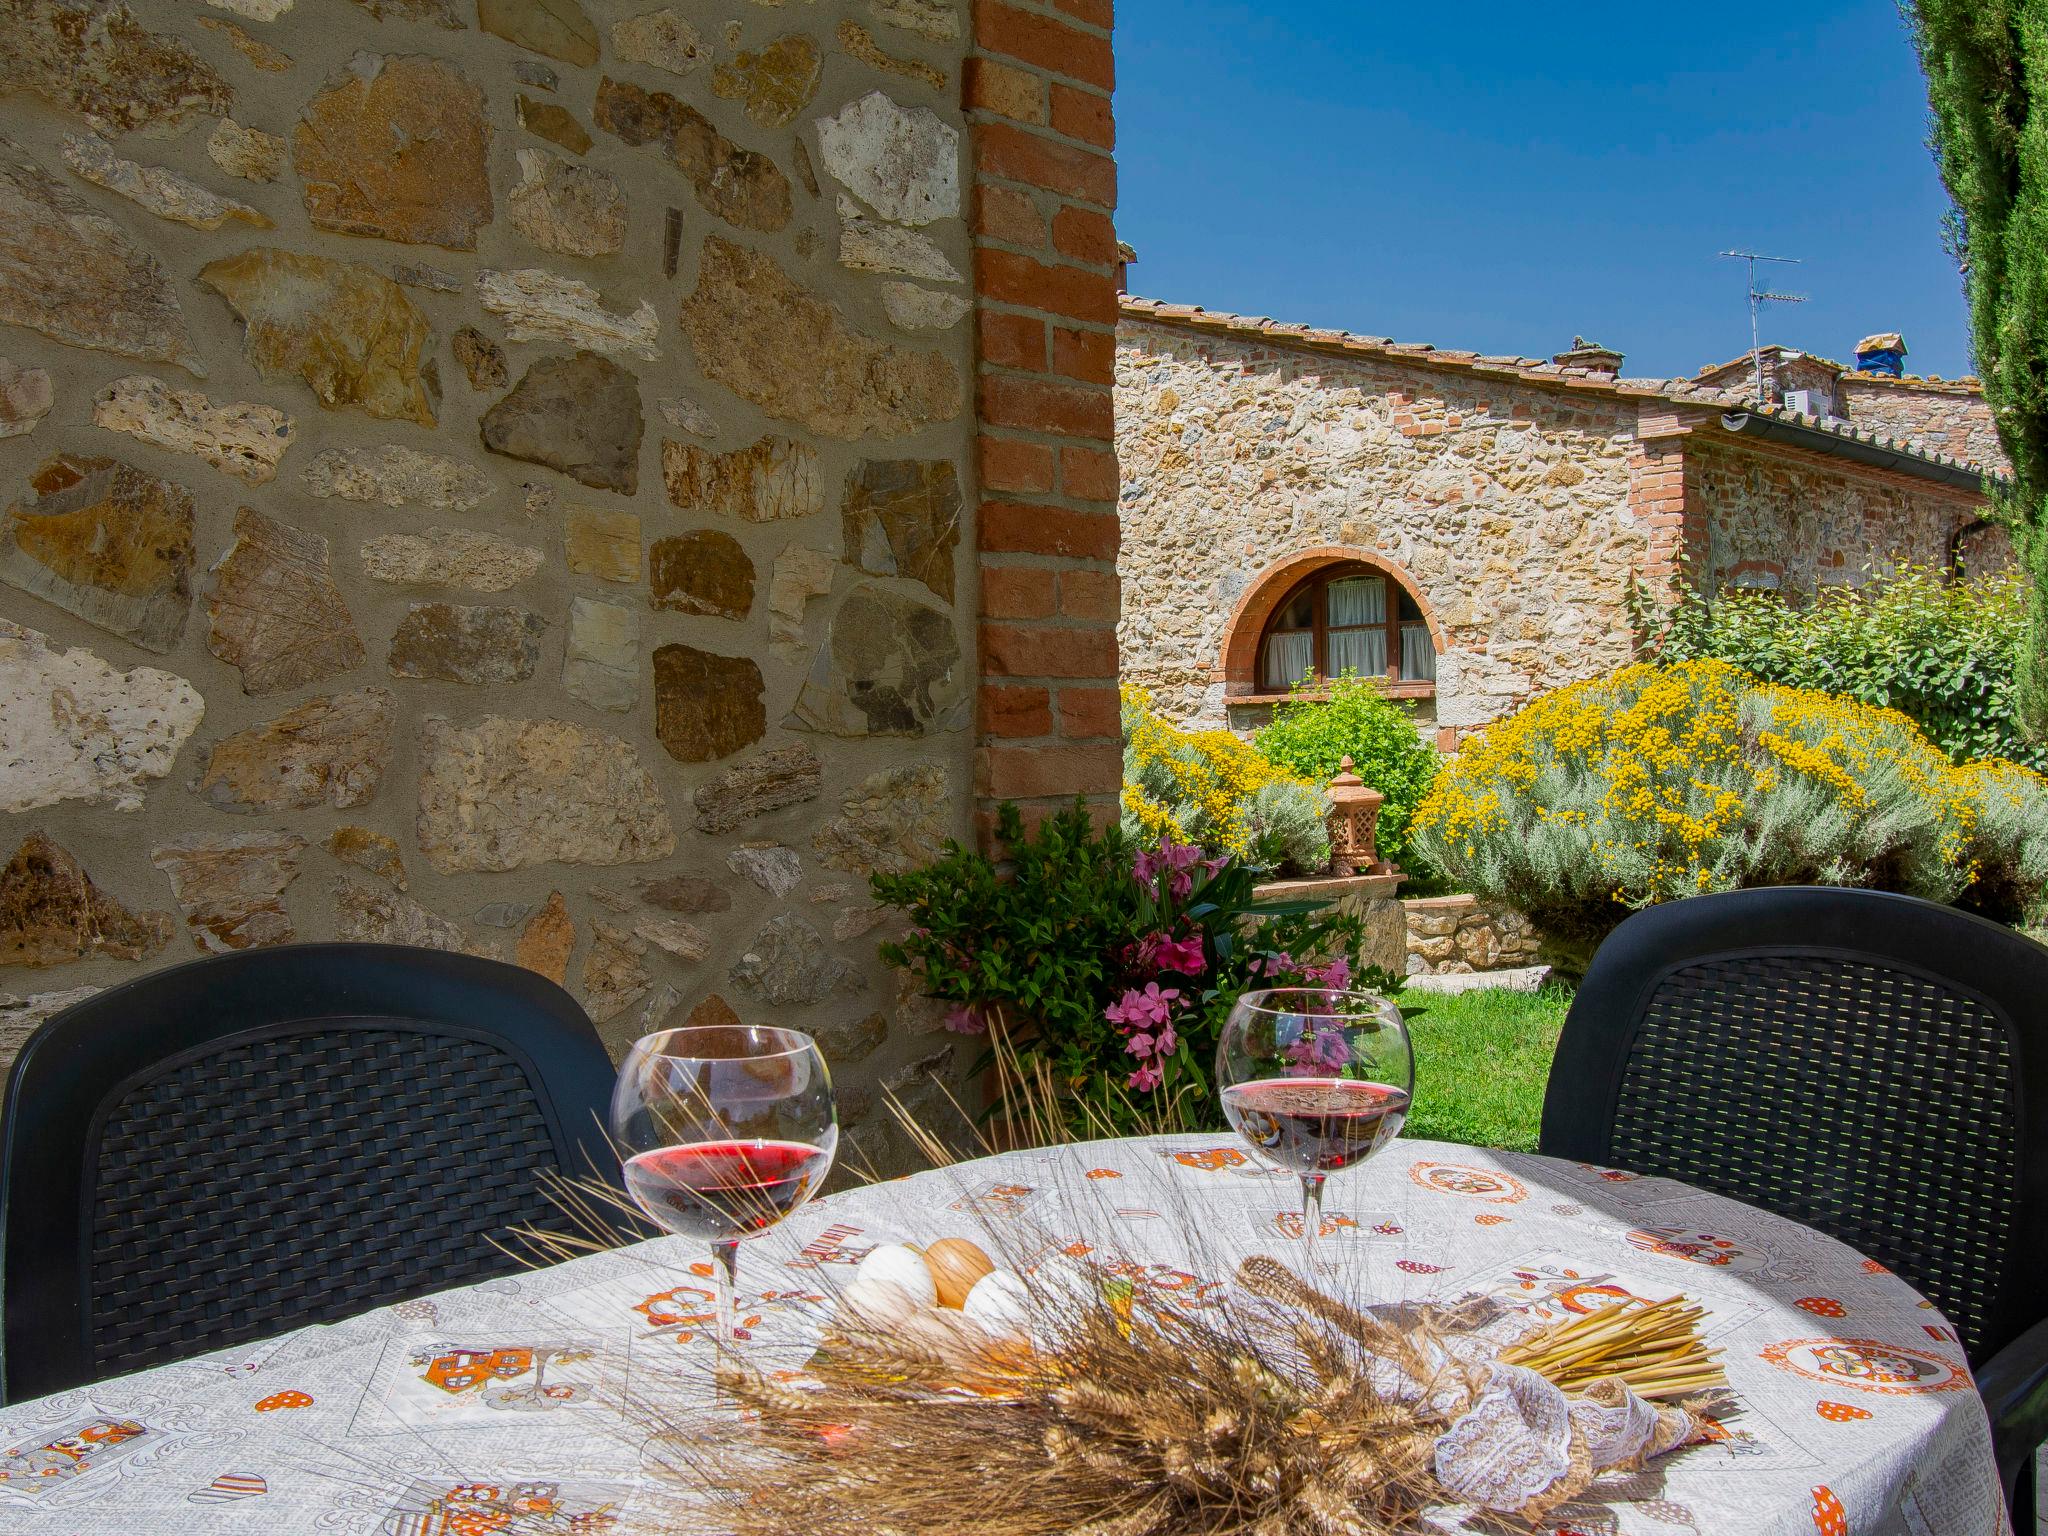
(1317, 584)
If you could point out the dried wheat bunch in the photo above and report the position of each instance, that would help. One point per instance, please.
(1284, 1412)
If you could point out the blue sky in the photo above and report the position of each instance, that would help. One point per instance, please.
(1502, 176)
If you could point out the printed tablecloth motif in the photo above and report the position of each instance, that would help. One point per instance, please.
(501, 1409)
(72, 1453)
(1869, 1365)
(1472, 1183)
(1708, 1249)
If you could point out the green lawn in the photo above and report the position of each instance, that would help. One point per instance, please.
(1481, 1060)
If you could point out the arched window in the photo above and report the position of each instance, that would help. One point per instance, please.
(1348, 617)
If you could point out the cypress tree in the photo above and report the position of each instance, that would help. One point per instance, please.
(1987, 84)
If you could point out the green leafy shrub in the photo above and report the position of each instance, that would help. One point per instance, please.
(1662, 782)
(1943, 653)
(1111, 966)
(1310, 737)
(1211, 789)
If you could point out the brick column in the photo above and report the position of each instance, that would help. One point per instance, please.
(1037, 93)
(1664, 497)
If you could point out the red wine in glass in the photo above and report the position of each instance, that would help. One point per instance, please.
(1315, 1125)
(724, 1129)
(720, 1190)
(1316, 1080)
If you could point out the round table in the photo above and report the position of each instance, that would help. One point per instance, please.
(497, 1407)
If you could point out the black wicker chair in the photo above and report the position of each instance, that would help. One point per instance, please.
(244, 1145)
(1871, 1065)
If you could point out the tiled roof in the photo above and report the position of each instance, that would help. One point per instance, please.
(1968, 384)
(1523, 370)
(1745, 361)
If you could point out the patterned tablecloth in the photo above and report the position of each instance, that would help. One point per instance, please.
(497, 1408)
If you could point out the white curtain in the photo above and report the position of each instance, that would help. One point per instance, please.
(1418, 655)
(1288, 658)
(1358, 600)
(1363, 651)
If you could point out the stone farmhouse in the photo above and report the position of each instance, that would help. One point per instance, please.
(1472, 527)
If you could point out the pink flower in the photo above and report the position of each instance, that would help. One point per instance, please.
(1169, 857)
(1157, 952)
(1166, 1042)
(1139, 1045)
(1274, 965)
(1319, 1054)
(966, 1019)
(1145, 1079)
(1141, 1010)
(1336, 975)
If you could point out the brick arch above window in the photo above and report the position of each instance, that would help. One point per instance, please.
(1238, 659)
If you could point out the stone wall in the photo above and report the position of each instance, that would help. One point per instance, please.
(501, 475)
(1789, 523)
(1507, 508)
(1372, 899)
(1934, 414)
(1456, 935)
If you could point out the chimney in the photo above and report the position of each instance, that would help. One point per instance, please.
(1590, 359)
(1884, 353)
(1126, 258)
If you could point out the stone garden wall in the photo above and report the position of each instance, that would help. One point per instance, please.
(501, 475)
(1454, 935)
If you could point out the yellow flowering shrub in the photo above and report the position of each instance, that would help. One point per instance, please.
(1213, 790)
(1660, 782)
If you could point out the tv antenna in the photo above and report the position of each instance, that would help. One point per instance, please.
(1758, 298)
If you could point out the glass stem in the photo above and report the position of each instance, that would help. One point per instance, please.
(1311, 1218)
(725, 1262)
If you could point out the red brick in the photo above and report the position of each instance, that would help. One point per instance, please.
(1012, 528)
(1091, 595)
(1082, 115)
(1089, 712)
(1016, 712)
(1004, 213)
(1009, 278)
(1049, 772)
(1104, 810)
(987, 85)
(1010, 465)
(1016, 592)
(1089, 356)
(1447, 738)
(1085, 235)
(1097, 13)
(1012, 341)
(1036, 650)
(1038, 405)
(1089, 474)
(1052, 45)
(1010, 153)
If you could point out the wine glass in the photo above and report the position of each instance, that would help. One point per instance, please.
(1317, 1081)
(725, 1129)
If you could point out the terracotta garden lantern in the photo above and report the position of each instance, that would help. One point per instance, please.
(1354, 815)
